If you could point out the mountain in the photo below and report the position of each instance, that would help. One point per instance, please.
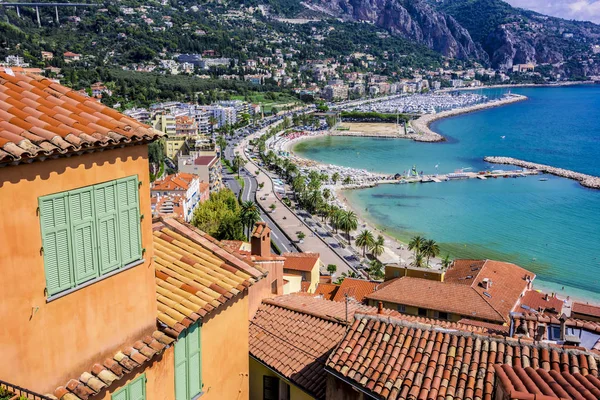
(490, 31)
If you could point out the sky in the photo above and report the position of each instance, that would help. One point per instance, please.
(586, 10)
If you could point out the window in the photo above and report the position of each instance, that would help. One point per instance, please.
(401, 308)
(275, 388)
(441, 315)
(89, 232)
(422, 312)
(135, 390)
(188, 364)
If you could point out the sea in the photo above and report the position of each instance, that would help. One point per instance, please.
(551, 227)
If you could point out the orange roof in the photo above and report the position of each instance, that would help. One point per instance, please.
(355, 288)
(541, 302)
(440, 296)
(179, 181)
(300, 261)
(508, 281)
(327, 290)
(586, 309)
(204, 187)
(40, 118)
(170, 205)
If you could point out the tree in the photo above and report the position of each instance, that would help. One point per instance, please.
(250, 215)
(272, 207)
(365, 240)
(446, 261)
(418, 261)
(378, 247)
(222, 143)
(301, 235)
(326, 193)
(335, 177)
(347, 180)
(430, 250)
(219, 216)
(348, 222)
(238, 162)
(416, 244)
(345, 275)
(376, 269)
(331, 268)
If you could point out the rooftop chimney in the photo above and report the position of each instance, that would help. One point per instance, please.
(380, 308)
(486, 283)
(260, 241)
(563, 326)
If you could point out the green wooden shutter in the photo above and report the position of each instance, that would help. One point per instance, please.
(137, 388)
(83, 234)
(194, 361)
(56, 240)
(109, 252)
(120, 394)
(181, 374)
(129, 220)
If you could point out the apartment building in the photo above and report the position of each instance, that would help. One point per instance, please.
(185, 189)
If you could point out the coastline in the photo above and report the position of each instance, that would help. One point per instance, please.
(521, 85)
(425, 134)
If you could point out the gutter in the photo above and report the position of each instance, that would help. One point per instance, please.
(349, 382)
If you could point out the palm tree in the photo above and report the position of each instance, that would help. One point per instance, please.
(378, 247)
(335, 177)
(446, 261)
(313, 199)
(344, 275)
(418, 261)
(376, 269)
(326, 193)
(222, 143)
(430, 249)
(348, 222)
(347, 180)
(249, 215)
(331, 268)
(238, 162)
(416, 243)
(365, 240)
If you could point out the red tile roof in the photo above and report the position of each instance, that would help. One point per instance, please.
(180, 181)
(586, 309)
(205, 160)
(394, 359)
(433, 295)
(539, 301)
(523, 383)
(40, 118)
(508, 281)
(327, 290)
(304, 286)
(355, 288)
(195, 276)
(104, 373)
(300, 261)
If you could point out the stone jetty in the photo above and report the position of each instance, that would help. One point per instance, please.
(588, 181)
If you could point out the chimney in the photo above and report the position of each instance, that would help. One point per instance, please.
(563, 326)
(260, 241)
(380, 308)
(486, 283)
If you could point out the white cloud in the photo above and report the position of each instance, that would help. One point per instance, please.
(586, 10)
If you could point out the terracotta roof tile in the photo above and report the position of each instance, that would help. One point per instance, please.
(327, 290)
(112, 369)
(391, 358)
(300, 261)
(541, 302)
(355, 288)
(40, 118)
(586, 309)
(194, 276)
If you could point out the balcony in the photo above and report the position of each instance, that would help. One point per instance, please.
(8, 391)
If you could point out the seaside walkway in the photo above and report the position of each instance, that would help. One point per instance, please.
(285, 218)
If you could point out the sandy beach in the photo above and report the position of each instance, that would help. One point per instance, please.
(421, 125)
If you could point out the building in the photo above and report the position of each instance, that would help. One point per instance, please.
(586, 311)
(69, 56)
(335, 92)
(77, 238)
(185, 126)
(385, 357)
(483, 290)
(47, 55)
(126, 307)
(187, 189)
(301, 270)
(165, 123)
(355, 289)
(208, 168)
(98, 89)
(140, 114)
(174, 144)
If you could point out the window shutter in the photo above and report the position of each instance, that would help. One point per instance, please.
(83, 234)
(181, 374)
(109, 252)
(137, 388)
(129, 220)
(194, 361)
(54, 222)
(120, 394)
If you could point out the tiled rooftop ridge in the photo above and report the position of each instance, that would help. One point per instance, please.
(395, 359)
(40, 118)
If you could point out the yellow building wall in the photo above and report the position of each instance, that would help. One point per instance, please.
(258, 370)
(314, 277)
(225, 366)
(414, 310)
(392, 272)
(44, 345)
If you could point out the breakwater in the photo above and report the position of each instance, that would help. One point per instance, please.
(588, 181)
(421, 125)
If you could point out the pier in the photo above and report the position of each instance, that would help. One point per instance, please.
(589, 181)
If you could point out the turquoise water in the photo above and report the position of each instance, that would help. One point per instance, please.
(552, 227)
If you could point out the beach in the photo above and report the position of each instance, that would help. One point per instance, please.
(421, 125)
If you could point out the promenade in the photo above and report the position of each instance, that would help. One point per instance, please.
(285, 218)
